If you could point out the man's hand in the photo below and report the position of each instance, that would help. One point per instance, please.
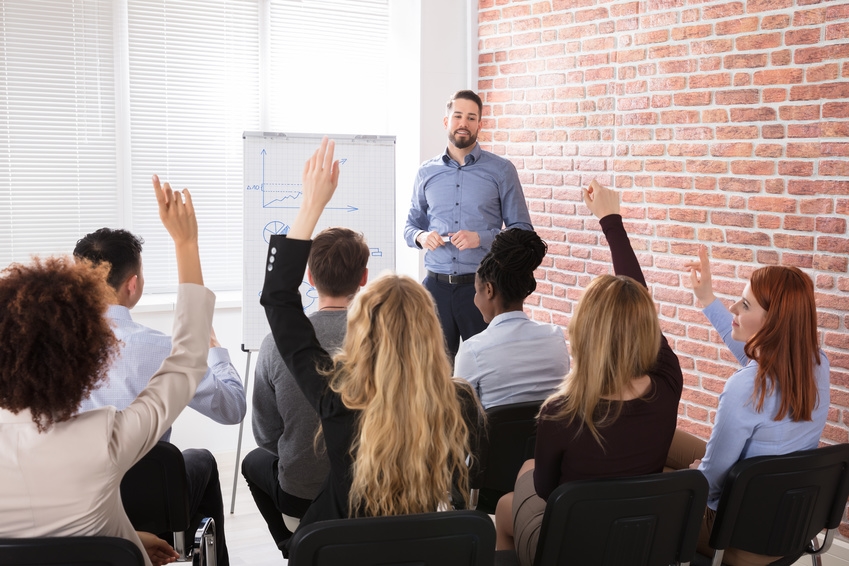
(159, 551)
(695, 464)
(700, 277)
(178, 216)
(600, 200)
(465, 239)
(320, 178)
(176, 212)
(430, 240)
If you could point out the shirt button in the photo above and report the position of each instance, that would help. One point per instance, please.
(273, 251)
(270, 267)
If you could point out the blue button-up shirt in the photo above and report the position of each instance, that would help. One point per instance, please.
(482, 195)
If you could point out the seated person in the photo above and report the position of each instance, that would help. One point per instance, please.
(62, 469)
(515, 359)
(778, 401)
(287, 471)
(615, 413)
(391, 421)
(220, 395)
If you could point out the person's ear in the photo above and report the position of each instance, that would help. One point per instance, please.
(364, 278)
(309, 278)
(489, 290)
(132, 285)
(445, 122)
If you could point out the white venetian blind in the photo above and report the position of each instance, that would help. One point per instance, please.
(194, 88)
(57, 125)
(328, 66)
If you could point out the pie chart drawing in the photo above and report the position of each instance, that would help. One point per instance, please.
(272, 228)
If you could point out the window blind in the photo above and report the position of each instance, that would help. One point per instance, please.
(57, 125)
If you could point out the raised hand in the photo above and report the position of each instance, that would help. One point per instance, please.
(600, 200)
(320, 178)
(178, 216)
(176, 212)
(700, 277)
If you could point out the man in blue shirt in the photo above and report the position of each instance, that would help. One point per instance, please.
(461, 200)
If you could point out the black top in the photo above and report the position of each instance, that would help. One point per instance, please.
(638, 441)
(303, 355)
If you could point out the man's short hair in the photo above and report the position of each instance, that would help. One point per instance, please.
(466, 95)
(338, 259)
(121, 249)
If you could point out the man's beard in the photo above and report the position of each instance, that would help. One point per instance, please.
(464, 142)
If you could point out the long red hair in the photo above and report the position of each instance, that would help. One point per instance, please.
(786, 347)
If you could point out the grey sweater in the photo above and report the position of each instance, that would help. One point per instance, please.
(283, 422)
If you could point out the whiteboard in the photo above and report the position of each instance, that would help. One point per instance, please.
(364, 202)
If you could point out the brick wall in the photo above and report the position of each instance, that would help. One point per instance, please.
(721, 122)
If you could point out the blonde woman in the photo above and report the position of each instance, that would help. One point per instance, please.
(615, 413)
(391, 420)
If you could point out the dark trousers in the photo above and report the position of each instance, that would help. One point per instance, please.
(205, 497)
(455, 305)
(260, 468)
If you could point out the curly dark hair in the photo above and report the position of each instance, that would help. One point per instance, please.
(55, 343)
(509, 266)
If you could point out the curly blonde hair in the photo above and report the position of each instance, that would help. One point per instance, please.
(55, 343)
(411, 441)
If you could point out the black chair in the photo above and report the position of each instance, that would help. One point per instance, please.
(651, 520)
(449, 538)
(69, 551)
(511, 433)
(155, 496)
(776, 505)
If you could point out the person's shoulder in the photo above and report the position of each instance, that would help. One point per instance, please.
(741, 384)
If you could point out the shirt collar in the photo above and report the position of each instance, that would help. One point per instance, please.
(118, 312)
(472, 157)
(509, 315)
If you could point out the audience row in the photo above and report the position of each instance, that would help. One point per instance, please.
(356, 409)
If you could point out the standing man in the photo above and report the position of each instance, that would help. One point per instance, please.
(461, 200)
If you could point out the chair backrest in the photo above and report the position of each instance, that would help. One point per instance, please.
(651, 520)
(155, 493)
(69, 551)
(509, 441)
(449, 538)
(775, 505)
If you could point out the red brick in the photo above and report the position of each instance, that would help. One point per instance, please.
(745, 61)
(710, 47)
(774, 95)
(711, 81)
(737, 26)
(752, 114)
(772, 131)
(769, 150)
(796, 168)
(809, 36)
(809, 17)
(803, 149)
(833, 245)
(747, 238)
(769, 222)
(688, 215)
(807, 55)
(779, 77)
(679, 117)
(758, 42)
(742, 220)
(731, 150)
(822, 73)
(707, 166)
(738, 185)
(772, 204)
(834, 168)
(736, 132)
(778, 21)
(799, 223)
(837, 31)
(692, 99)
(752, 168)
(691, 32)
(790, 242)
(796, 113)
(719, 11)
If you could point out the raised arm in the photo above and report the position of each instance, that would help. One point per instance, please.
(138, 427)
(604, 204)
(321, 175)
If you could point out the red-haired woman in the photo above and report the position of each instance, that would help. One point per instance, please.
(778, 401)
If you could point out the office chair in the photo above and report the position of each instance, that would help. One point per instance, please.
(155, 496)
(69, 551)
(776, 505)
(448, 538)
(509, 441)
